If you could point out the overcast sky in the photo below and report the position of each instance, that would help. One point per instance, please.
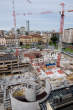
(37, 22)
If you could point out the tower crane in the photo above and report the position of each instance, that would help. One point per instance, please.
(61, 28)
(61, 33)
(14, 21)
(14, 15)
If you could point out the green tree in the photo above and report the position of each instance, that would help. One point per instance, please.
(54, 39)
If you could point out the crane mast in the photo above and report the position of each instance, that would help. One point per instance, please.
(14, 21)
(61, 28)
(14, 15)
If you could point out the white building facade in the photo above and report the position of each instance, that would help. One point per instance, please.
(68, 36)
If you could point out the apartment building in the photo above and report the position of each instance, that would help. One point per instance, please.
(30, 39)
(68, 36)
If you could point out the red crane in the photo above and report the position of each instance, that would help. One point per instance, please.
(14, 15)
(61, 34)
(61, 27)
(62, 18)
(14, 21)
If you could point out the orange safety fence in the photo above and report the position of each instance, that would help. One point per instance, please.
(49, 72)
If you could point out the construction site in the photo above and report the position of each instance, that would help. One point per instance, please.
(42, 80)
(36, 79)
